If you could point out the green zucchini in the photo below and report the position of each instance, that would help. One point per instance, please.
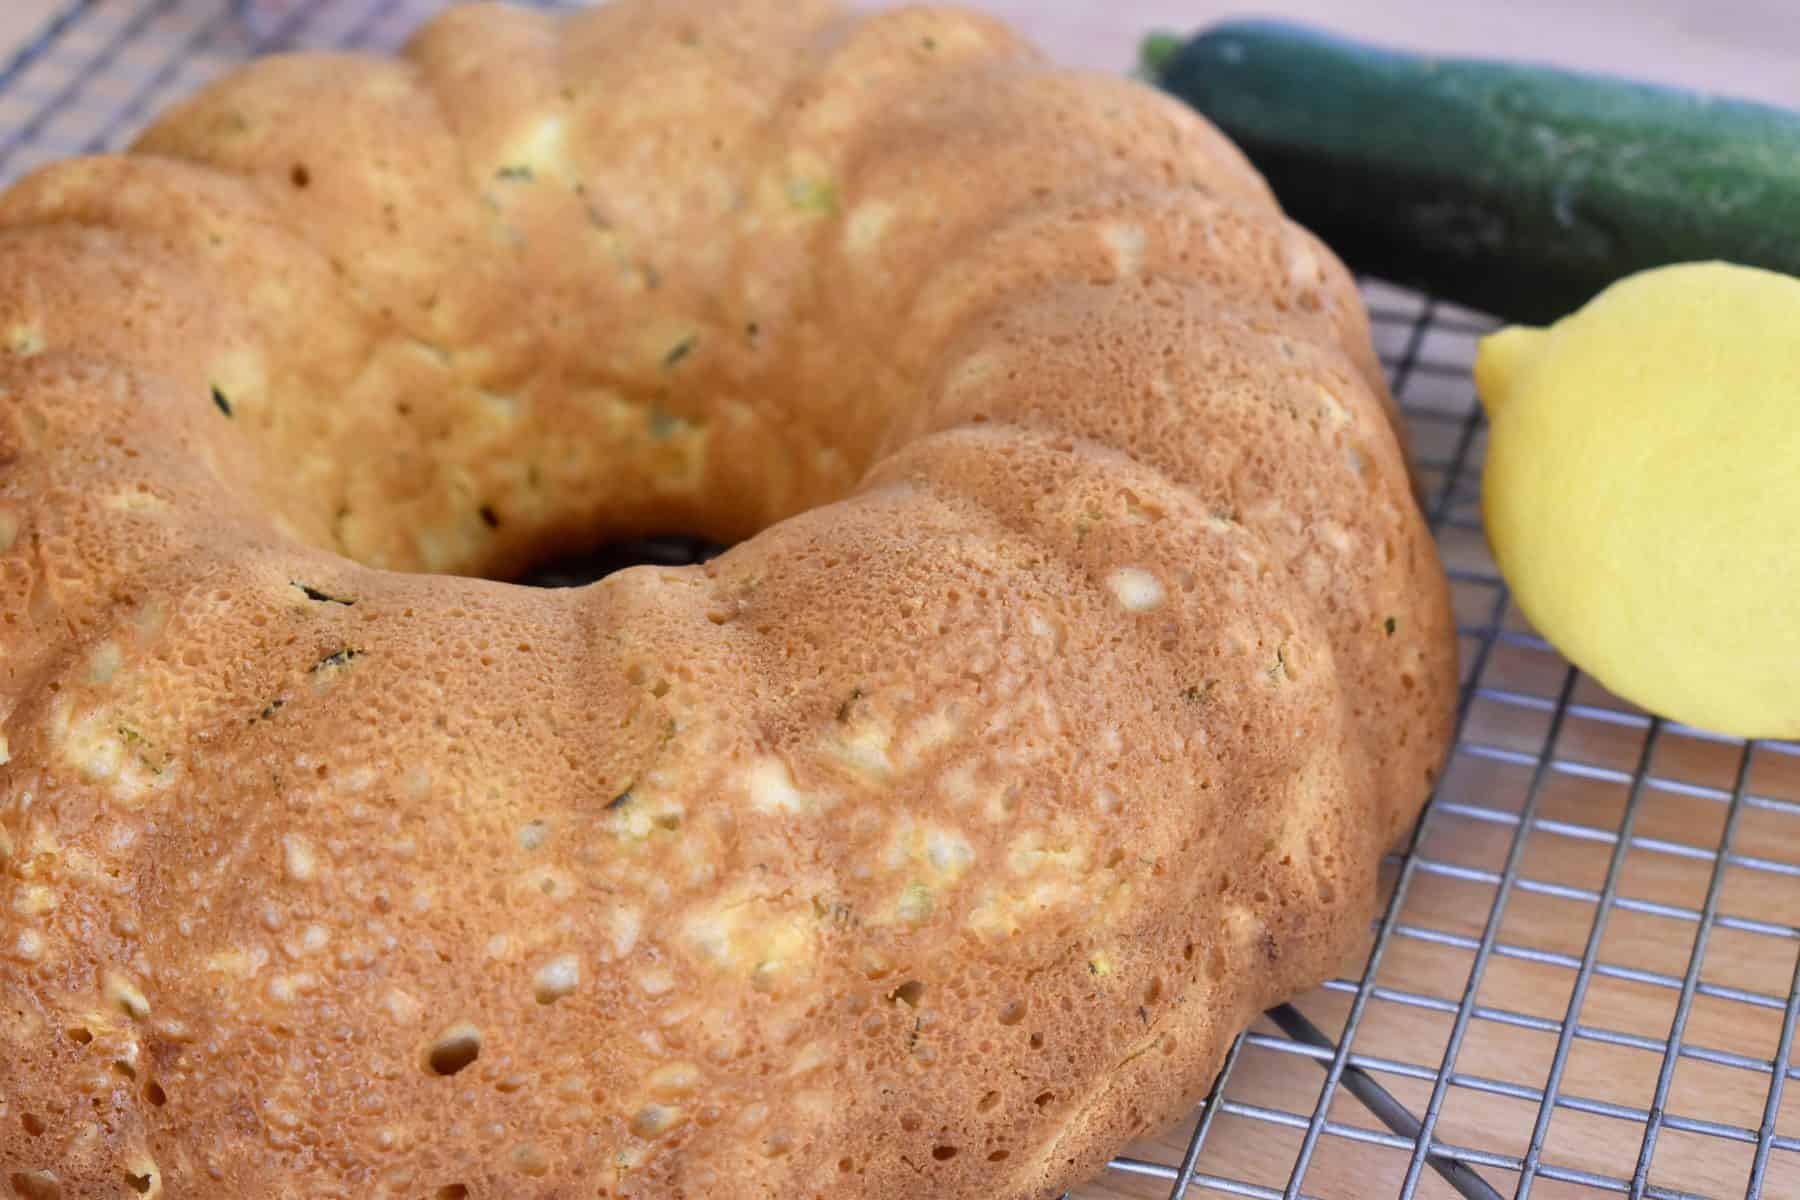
(1516, 189)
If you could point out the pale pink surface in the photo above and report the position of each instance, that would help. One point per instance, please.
(1745, 47)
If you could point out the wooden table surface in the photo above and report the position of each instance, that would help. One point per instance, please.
(1749, 48)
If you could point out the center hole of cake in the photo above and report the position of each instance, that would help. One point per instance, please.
(584, 567)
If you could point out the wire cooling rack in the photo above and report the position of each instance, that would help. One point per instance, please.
(1584, 981)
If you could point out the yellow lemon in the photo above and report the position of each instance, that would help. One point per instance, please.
(1642, 490)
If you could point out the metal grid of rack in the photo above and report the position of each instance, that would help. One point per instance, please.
(1585, 978)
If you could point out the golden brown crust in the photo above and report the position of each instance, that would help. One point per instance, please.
(935, 840)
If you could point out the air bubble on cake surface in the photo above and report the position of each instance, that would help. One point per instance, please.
(673, 1081)
(948, 852)
(958, 785)
(528, 1158)
(867, 224)
(299, 860)
(1243, 924)
(311, 940)
(866, 751)
(626, 1160)
(404, 1007)
(24, 340)
(997, 802)
(1334, 535)
(766, 975)
(501, 409)
(1028, 855)
(772, 789)
(656, 981)
(455, 1048)
(144, 1177)
(433, 354)
(550, 882)
(915, 904)
(1048, 893)
(87, 743)
(42, 840)
(103, 754)
(281, 1116)
(533, 834)
(1220, 523)
(33, 900)
(358, 779)
(104, 663)
(1140, 510)
(993, 916)
(1125, 244)
(654, 1120)
(902, 842)
(714, 935)
(240, 372)
(814, 1105)
(1334, 409)
(931, 732)
(810, 1057)
(119, 991)
(134, 501)
(1136, 589)
(120, 836)
(287, 988)
(239, 961)
(539, 149)
(624, 924)
(557, 978)
(1040, 627)
(638, 822)
(1302, 263)
(676, 1014)
(28, 946)
(416, 783)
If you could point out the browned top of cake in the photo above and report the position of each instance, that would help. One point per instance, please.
(933, 841)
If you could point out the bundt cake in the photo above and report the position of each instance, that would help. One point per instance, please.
(1082, 650)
